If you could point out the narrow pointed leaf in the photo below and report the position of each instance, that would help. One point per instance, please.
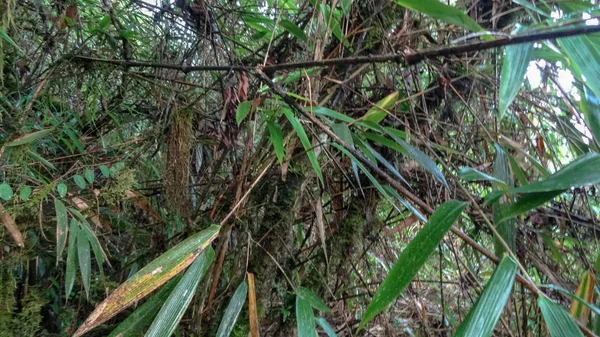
(277, 140)
(559, 323)
(326, 327)
(305, 142)
(72, 257)
(242, 111)
(377, 113)
(152, 276)
(591, 112)
(92, 238)
(585, 291)
(312, 299)
(420, 158)
(233, 310)
(305, 318)
(85, 261)
(471, 174)
(506, 229)
(31, 137)
(62, 227)
(142, 317)
(516, 61)
(293, 29)
(178, 301)
(483, 317)
(383, 161)
(438, 10)
(413, 257)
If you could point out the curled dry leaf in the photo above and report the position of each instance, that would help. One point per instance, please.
(11, 226)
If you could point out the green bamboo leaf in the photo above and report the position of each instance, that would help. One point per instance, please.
(413, 257)
(378, 112)
(173, 309)
(305, 318)
(312, 299)
(483, 317)
(79, 181)
(471, 174)
(326, 327)
(506, 229)
(242, 111)
(420, 158)
(442, 12)
(62, 227)
(6, 191)
(24, 193)
(85, 261)
(277, 140)
(233, 310)
(89, 176)
(525, 203)
(41, 159)
(293, 29)
(62, 190)
(142, 317)
(591, 112)
(31, 137)
(71, 258)
(305, 142)
(581, 50)
(152, 276)
(583, 171)
(559, 322)
(516, 61)
(322, 111)
(92, 238)
(342, 131)
(346, 6)
(383, 161)
(7, 38)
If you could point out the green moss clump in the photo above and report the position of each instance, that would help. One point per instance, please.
(121, 181)
(26, 323)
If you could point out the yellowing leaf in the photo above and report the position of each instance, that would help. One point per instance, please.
(152, 276)
(585, 291)
(377, 113)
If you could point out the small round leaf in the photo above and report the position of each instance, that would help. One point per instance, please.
(89, 176)
(25, 192)
(62, 190)
(79, 181)
(5, 192)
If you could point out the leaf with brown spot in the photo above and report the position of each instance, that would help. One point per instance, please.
(71, 14)
(152, 276)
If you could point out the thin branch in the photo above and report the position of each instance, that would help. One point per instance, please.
(402, 58)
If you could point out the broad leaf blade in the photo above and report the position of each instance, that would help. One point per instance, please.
(176, 304)
(233, 310)
(305, 318)
(62, 227)
(293, 29)
(326, 327)
(242, 111)
(71, 258)
(413, 257)
(591, 112)
(483, 317)
(442, 12)
(305, 142)
(85, 261)
(142, 317)
(277, 140)
(312, 299)
(582, 51)
(152, 276)
(559, 323)
(516, 61)
(585, 291)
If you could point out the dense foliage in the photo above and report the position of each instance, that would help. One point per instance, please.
(299, 167)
